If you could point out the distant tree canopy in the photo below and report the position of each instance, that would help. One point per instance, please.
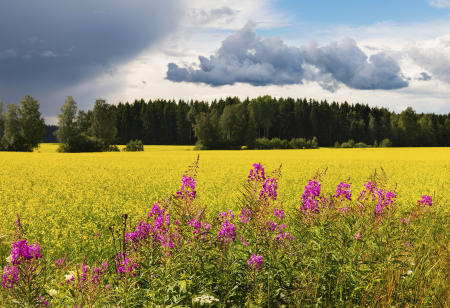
(93, 131)
(228, 123)
(231, 123)
(21, 128)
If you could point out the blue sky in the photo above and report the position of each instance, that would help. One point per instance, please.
(360, 12)
(387, 53)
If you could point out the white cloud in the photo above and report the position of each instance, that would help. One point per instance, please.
(246, 57)
(440, 3)
(433, 56)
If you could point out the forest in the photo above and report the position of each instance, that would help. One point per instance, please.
(231, 123)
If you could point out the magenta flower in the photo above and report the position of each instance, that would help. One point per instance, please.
(257, 173)
(426, 200)
(125, 265)
(187, 190)
(201, 230)
(278, 213)
(343, 190)
(357, 236)
(10, 276)
(227, 232)
(255, 262)
(245, 216)
(384, 200)
(370, 188)
(269, 190)
(22, 251)
(60, 263)
(310, 197)
(158, 229)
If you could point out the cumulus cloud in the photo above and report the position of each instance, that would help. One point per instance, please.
(440, 3)
(247, 58)
(433, 56)
(50, 44)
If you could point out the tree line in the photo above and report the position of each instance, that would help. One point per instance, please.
(223, 123)
(231, 123)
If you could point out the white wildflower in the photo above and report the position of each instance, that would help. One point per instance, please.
(9, 259)
(205, 299)
(70, 276)
(53, 292)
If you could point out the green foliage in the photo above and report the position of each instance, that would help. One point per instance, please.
(349, 144)
(12, 139)
(103, 122)
(83, 143)
(22, 128)
(206, 130)
(277, 143)
(385, 143)
(31, 122)
(361, 145)
(67, 127)
(134, 146)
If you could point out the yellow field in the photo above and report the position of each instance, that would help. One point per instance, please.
(67, 201)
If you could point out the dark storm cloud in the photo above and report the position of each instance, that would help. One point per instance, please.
(247, 58)
(49, 44)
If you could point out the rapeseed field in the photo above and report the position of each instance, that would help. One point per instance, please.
(338, 227)
(68, 201)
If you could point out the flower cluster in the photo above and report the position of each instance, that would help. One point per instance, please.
(87, 284)
(187, 190)
(93, 276)
(10, 276)
(22, 251)
(158, 229)
(227, 231)
(257, 173)
(279, 230)
(426, 200)
(269, 190)
(125, 265)
(255, 262)
(343, 191)
(278, 213)
(310, 197)
(23, 263)
(61, 263)
(384, 200)
(205, 300)
(201, 230)
(369, 190)
(245, 216)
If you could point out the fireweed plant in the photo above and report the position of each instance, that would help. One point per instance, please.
(341, 249)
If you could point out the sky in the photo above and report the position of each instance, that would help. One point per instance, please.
(393, 53)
